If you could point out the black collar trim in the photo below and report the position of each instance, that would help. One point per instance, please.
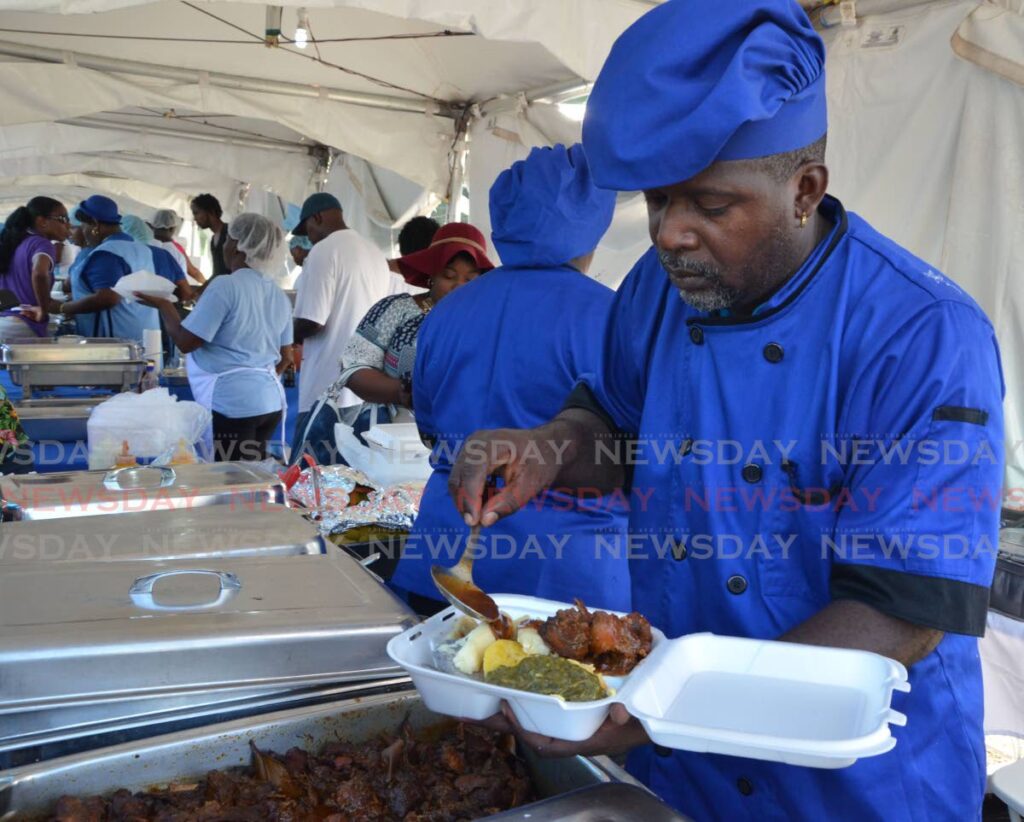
(837, 235)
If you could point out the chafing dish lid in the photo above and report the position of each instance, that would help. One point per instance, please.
(196, 532)
(85, 630)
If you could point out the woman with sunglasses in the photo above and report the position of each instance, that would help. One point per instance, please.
(27, 258)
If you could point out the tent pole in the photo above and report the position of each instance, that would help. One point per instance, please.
(114, 65)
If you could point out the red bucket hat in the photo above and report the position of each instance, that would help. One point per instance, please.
(451, 239)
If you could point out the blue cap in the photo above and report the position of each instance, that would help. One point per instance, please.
(98, 209)
(300, 242)
(546, 210)
(693, 82)
(315, 203)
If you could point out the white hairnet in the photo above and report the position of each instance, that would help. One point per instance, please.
(165, 218)
(260, 241)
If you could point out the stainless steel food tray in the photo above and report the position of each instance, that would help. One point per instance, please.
(134, 490)
(70, 350)
(214, 532)
(30, 792)
(85, 642)
(57, 419)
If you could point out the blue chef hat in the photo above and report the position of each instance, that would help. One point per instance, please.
(697, 81)
(545, 210)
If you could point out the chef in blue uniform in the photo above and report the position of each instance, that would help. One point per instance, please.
(831, 403)
(98, 310)
(504, 351)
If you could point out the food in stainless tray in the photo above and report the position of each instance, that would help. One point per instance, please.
(570, 680)
(449, 773)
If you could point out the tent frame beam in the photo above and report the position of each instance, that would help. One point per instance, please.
(41, 54)
(252, 142)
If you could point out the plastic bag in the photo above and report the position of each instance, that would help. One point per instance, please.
(152, 423)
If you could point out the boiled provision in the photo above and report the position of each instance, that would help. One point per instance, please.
(462, 773)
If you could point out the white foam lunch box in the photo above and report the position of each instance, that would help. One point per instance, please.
(778, 701)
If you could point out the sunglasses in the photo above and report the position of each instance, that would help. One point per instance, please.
(60, 218)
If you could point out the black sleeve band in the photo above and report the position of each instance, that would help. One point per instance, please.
(582, 397)
(947, 605)
(954, 413)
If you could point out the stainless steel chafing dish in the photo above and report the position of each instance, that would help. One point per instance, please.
(201, 533)
(84, 644)
(577, 788)
(91, 361)
(138, 489)
(56, 418)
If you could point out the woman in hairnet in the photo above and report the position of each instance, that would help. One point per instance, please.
(238, 341)
(504, 352)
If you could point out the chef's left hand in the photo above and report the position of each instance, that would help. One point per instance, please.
(619, 733)
(151, 301)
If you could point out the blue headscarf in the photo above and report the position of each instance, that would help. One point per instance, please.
(545, 210)
(697, 81)
(139, 231)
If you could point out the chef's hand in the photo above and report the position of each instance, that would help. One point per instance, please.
(150, 300)
(529, 460)
(35, 313)
(619, 733)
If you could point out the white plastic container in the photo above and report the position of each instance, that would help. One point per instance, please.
(778, 701)
(393, 454)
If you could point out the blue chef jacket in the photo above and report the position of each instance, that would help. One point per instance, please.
(116, 257)
(843, 442)
(504, 352)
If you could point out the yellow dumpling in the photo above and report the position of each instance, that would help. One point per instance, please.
(504, 652)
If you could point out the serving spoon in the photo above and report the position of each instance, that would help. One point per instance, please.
(457, 586)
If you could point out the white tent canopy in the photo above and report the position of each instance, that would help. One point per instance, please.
(926, 111)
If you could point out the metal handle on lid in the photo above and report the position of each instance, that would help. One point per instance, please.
(112, 479)
(141, 591)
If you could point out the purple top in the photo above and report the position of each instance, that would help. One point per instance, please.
(19, 276)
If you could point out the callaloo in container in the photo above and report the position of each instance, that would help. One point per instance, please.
(778, 701)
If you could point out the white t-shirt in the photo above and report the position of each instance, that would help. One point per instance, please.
(343, 276)
(179, 258)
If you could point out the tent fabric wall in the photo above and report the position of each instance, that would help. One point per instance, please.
(935, 160)
(406, 142)
(290, 174)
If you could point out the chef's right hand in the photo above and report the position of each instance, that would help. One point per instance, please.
(527, 459)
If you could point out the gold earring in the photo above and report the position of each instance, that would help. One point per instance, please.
(803, 219)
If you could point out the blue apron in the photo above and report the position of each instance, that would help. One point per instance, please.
(125, 320)
(505, 351)
(758, 511)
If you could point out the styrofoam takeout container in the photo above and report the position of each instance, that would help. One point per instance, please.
(778, 701)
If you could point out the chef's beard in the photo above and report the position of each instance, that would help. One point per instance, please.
(763, 275)
(714, 297)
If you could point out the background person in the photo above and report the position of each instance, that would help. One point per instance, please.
(27, 258)
(208, 214)
(165, 225)
(342, 277)
(237, 340)
(504, 352)
(377, 362)
(99, 311)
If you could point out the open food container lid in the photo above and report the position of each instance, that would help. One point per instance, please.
(137, 488)
(778, 701)
(214, 531)
(88, 632)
